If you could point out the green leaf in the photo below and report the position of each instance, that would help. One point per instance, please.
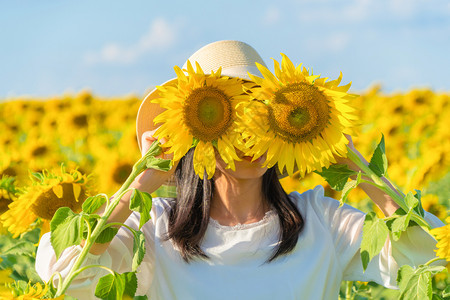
(446, 292)
(158, 163)
(38, 176)
(67, 229)
(154, 149)
(336, 176)
(416, 283)
(378, 163)
(399, 225)
(21, 248)
(115, 286)
(141, 202)
(375, 233)
(92, 204)
(140, 297)
(348, 187)
(166, 191)
(419, 209)
(411, 201)
(107, 235)
(138, 249)
(402, 222)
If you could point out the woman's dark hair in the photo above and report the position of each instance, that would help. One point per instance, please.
(189, 213)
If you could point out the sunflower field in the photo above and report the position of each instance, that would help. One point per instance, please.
(56, 152)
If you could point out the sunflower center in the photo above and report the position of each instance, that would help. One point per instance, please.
(208, 113)
(121, 172)
(39, 151)
(5, 200)
(299, 112)
(48, 202)
(299, 117)
(80, 120)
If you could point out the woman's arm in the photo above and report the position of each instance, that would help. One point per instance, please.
(380, 198)
(148, 181)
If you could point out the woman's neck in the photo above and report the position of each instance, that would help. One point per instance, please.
(237, 201)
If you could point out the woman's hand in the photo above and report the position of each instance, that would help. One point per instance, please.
(150, 180)
(346, 161)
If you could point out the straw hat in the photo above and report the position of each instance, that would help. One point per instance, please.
(236, 59)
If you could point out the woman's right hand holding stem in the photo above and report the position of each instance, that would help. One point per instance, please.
(148, 181)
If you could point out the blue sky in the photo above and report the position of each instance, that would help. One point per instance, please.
(115, 48)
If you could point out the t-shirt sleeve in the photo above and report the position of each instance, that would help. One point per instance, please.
(117, 257)
(345, 223)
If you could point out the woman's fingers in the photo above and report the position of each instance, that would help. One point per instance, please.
(146, 141)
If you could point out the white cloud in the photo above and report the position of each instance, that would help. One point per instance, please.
(160, 36)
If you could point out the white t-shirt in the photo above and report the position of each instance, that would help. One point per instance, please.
(327, 252)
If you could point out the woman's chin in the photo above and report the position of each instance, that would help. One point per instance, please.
(245, 168)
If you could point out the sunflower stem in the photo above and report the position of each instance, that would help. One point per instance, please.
(139, 166)
(348, 290)
(432, 261)
(395, 195)
(92, 266)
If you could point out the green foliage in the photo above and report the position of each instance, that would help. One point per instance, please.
(7, 184)
(92, 204)
(348, 187)
(399, 224)
(115, 286)
(418, 208)
(141, 202)
(21, 248)
(336, 176)
(441, 188)
(378, 163)
(375, 233)
(67, 229)
(446, 292)
(158, 163)
(416, 283)
(138, 249)
(20, 261)
(107, 235)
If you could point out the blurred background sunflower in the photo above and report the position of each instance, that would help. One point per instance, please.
(37, 204)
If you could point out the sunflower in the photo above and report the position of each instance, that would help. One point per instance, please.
(202, 111)
(8, 192)
(23, 291)
(302, 118)
(442, 234)
(430, 203)
(39, 202)
(5, 276)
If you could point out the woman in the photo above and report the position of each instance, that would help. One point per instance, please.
(239, 235)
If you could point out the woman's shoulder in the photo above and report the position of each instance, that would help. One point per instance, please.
(313, 197)
(315, 201)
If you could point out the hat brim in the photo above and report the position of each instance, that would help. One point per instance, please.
(148, 111)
